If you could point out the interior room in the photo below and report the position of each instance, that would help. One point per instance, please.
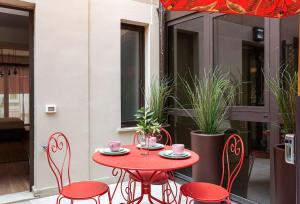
(14, 101)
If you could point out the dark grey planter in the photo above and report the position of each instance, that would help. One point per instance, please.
(285, 177)
(209, 148)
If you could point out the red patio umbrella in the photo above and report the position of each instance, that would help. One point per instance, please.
(264, 8)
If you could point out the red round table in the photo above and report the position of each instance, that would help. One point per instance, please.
(134, 162)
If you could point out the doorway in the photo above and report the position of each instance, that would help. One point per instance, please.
(16, 104)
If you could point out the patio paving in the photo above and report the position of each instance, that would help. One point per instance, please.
(156, 191)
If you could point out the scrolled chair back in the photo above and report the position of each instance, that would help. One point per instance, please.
(232, 160)
(59, 157)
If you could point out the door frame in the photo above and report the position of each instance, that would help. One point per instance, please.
(31, 98)
(30, 7)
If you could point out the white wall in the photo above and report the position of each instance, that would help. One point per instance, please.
(77, 67)
(61, 77)
(105, 78)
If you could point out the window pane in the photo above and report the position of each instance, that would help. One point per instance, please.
(239, 49)
(130, 74)
(289, 34)
(186, 54)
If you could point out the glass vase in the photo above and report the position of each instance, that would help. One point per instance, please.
(144, 142)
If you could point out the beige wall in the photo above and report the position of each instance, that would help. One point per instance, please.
(105, 103)
(77, 67)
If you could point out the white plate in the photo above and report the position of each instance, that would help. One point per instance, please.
(107, 151)
(171, 155)
(153, 147)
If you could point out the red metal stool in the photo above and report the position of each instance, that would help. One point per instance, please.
(211, 193)
(59, 158)
(160, 179)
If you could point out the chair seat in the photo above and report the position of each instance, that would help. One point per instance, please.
(205, 192)
(84, 190)
(157, 179)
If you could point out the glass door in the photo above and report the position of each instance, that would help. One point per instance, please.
(251, 49)
(186, 42)
(239, 48)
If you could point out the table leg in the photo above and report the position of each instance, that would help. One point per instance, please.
(169, 193)
(145, 188)
(146, 191)
(126, 193)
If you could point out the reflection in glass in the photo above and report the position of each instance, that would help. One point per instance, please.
(186, 54)
(289, 36)
(239, 49)
(14, 92)
(130, 70)
(181, 132)
(253, 181)
(18, 98)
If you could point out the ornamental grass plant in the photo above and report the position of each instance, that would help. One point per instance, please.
(284, 87)
(158, 96)
(210, 97)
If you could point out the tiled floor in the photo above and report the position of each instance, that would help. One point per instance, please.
(259, 184)
(156, 191)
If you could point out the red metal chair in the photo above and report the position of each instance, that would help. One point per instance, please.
(59, 158)
(211, 193)
(162, 178)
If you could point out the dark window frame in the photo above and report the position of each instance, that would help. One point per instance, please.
(141, 31)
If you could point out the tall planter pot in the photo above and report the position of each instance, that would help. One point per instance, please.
(209, 148)
(285, 177)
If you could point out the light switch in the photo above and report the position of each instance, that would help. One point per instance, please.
(50, 108)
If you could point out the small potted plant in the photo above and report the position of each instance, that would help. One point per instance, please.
(147, 126)
(209, 97)
(284, 88)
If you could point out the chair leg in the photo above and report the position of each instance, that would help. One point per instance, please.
(180, 195)
(131, 189)
(58, 200)
(72, 201)
(94, 200)
(168, 193)
(163, 193)
(130, 195)
(99, 199)
(227, 201)
(171, 192)
(134, 189)
(109, 197)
